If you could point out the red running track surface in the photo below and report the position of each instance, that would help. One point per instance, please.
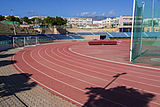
(67, 70)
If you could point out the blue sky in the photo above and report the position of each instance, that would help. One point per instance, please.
(66, 8)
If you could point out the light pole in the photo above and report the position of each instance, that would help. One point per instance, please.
(11, 10)
(133, 16)
(14, 28)
(143, 3)
(152, 16)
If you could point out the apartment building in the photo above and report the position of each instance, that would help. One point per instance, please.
(41, 17)
(98, 24)
(147, 25)
(116, 22)
(125, 23)
(106, 23)
(81, 22)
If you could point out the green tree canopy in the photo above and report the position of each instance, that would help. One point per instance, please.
(2, 17)
(17, 19)
(11, 18)
(60, 21)
(54, 21)
(25, 20)
(36, 21)
(49, 20)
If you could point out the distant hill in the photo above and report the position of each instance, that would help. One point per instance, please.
(5, 27)
(98, 18)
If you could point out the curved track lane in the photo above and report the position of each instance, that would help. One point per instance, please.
(68, 74)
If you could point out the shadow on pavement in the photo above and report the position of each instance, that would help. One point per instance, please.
(7, 62)
(5, 55)
(120, 96)
(12, 84)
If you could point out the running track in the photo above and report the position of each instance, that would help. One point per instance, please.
(67, 72)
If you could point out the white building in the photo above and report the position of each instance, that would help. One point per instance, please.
(108, 22)
(116, 22)
(98, 23)
(81, 22)
(125, 23)
(41, 17)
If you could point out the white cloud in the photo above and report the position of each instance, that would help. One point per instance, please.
(112, 13)
(103, 14)
(93, 13)
(83, 14)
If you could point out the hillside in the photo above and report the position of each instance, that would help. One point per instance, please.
(6, 28)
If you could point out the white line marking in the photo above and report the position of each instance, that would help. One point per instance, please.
(108, 61)
(119, 83)
(117, 69)
(48, 87)
(66, 84)
(56, 70)
(108, 100)
(70, 49)
(48, 75)
(101, 68)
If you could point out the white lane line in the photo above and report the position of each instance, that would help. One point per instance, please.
(78, 71)
(108, 74)
(130, 86)
(56, 70)
(108, 61)
(106, 80)
(48, 87)
(114, 68)
(70, 49)
(120, 104)
(48, 75)
(66, 83)
(132, 73)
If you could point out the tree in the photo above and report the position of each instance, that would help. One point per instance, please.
(2, 17)
(51, 21)
(25, 20)
(17, 19)
(36, 21)
(11, 18)
(60, 21)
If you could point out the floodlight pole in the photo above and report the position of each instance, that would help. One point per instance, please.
(152, 16)
(24, 41)
(142, 26)
(36, 40)
(131, 46)
(13, 43)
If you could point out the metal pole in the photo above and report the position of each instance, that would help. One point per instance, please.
(142, 27)
(24, 41)
(36, 41)
(115, 77)
(131, 46)
(13, 43)
(152, 16)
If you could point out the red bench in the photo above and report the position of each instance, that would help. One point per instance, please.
(103, 42)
